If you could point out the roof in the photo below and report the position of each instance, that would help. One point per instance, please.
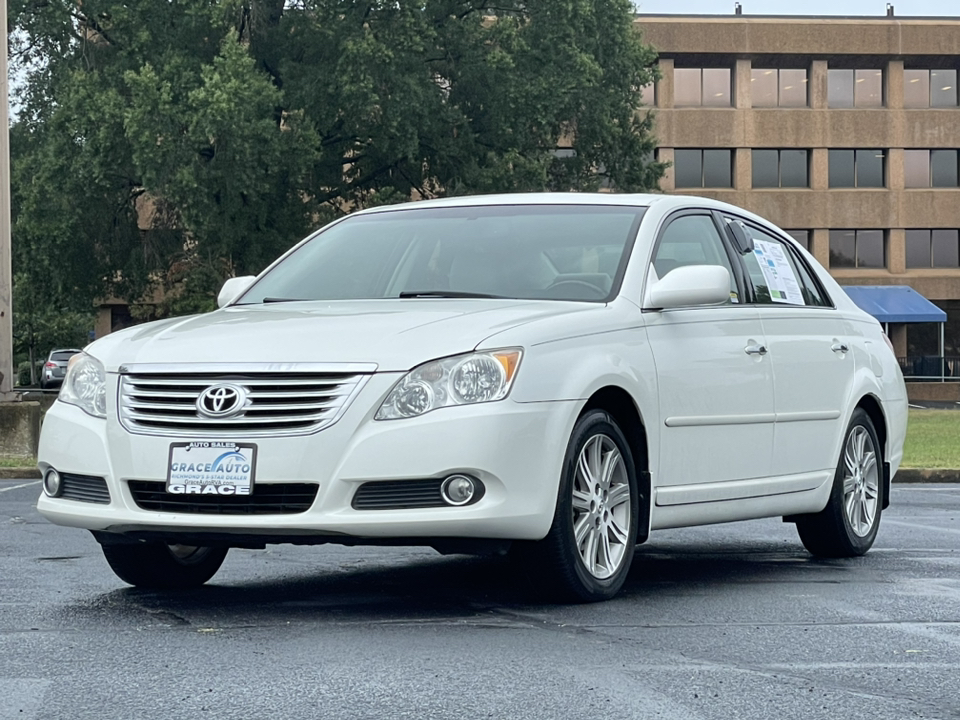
(895, 304)
(532, 198)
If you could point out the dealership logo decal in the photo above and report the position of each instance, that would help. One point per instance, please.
(211, 467)
(221, 401)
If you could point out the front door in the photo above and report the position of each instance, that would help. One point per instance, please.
(715, 379)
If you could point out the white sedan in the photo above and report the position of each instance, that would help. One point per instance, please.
(553, 376)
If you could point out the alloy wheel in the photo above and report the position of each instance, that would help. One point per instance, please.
(861, 481)
(601, 507)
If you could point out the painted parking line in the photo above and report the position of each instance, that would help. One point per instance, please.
(17, 487)
(918, 526)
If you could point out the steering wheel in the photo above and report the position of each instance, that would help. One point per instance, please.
(594, 292)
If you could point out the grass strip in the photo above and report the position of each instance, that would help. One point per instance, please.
(933, 439)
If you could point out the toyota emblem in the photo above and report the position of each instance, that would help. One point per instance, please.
(221, 401)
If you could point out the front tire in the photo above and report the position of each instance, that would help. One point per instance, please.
(159, 566)
(587, 553)
(848, 525)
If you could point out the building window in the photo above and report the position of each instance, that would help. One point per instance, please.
(943, 168)
(778, 88)
(648, 94)
(857, 249)
(780, 168)
(701, 87)
(856, 168)
(703, 168)
(931, 168)
(933, 248)
(916, 168)
(854, 88)
(930, 88)
(801, 236)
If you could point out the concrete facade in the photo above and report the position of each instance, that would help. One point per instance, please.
(19, 429)
(818, 44)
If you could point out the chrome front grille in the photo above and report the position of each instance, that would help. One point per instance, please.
(290, 399)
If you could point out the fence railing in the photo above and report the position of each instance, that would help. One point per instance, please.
(931, 368)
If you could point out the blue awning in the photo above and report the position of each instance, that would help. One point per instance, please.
(895, 304)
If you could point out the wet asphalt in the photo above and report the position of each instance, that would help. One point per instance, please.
(730, 621)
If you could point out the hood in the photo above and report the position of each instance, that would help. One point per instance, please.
(395, 334)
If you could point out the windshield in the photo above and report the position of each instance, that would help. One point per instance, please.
(547, 252)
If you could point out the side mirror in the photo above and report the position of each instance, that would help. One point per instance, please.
(233, 288)
(689, 286)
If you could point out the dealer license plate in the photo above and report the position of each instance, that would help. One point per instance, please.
(211, 468)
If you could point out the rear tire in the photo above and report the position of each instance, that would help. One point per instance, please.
(587, 553)
(160, 566)
(848, 525)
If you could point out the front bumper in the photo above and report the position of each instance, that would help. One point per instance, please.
(515, 449)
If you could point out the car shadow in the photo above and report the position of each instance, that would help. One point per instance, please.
(425, 588)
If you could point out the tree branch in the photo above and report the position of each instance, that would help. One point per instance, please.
(95, 26)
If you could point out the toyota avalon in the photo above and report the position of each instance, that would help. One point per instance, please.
(553, 376)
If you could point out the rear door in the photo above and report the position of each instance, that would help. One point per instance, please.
(809, 351)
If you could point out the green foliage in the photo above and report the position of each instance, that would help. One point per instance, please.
(169, 145)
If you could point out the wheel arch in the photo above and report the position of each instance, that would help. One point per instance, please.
(621, 405)
(871, 405)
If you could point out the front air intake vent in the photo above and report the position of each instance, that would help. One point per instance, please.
(85, 488)
(267, 499)
(404, 495)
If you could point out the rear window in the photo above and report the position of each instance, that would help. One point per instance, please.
(63, 355)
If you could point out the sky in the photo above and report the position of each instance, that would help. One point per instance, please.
(806, 7)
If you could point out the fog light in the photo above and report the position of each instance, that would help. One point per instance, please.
(458, 489)
(51, 483)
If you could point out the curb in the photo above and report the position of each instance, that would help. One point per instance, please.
(927, 475)
(21, 473)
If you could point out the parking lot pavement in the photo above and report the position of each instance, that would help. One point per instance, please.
(719, 622)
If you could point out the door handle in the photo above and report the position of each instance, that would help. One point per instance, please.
(839, 347)
(755, 350)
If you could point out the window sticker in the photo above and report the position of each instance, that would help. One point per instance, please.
(777, 271)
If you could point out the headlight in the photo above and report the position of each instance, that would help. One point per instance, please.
(85, 385)
(459, 380)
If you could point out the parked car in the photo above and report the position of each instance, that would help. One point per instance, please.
(54, 369)
(552, 376)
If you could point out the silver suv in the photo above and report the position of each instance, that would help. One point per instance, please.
(55, 368)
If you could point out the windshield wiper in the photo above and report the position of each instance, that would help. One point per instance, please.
(280, 299)
(444, 294)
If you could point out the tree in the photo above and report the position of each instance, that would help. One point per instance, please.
(177, 143)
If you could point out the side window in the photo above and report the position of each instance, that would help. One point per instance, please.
(777, 276)
(812, 294)
(692, 240)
